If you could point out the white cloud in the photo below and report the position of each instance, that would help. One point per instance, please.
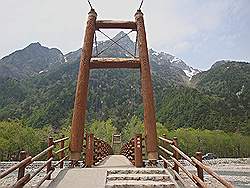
(174, 26)
(182, 47)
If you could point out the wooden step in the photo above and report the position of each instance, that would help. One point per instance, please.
(139, 184)
(139, 177)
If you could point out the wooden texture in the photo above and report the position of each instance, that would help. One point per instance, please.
(103, 63)
(115, 24)
(147, 91)
(80, 105)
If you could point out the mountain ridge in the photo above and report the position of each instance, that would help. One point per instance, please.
(213, 99)
(162, 58)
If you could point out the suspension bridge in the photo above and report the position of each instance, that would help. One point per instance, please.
(148, 161)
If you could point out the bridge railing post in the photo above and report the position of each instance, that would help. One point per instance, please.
(176, 155)
(138, 150)
(21, 170)
(198, 156)
(165, 146)
(62, 154)
(49, 155)
(90, 150)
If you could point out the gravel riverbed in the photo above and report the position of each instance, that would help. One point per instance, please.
(236, 171)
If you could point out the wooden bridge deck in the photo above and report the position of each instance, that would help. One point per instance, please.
(96, 177)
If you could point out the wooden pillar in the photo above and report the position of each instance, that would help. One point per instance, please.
(80, 105)
(138, 150)
(198, 156)
(90, 150)
(21, 170)
(165, 145)
(147, 90)
(62, 154)
(176, 156)
(49, 155)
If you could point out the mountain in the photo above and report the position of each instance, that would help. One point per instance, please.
(225, 78)
(185, 97)
(32, 60)
(171, 64)
(229, 80)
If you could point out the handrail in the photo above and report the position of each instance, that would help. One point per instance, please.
(25, 161)
(22, 181)
(16, 166)
(183, 154)
(96, 150)
(133, 150)
(44, 178)
(166, 140)
(166, 151)
(212, 173)
(193, 177)
(40, 169)
(60, 140)
(197, 162)
(165, 160)
(63, 159)
(60, 150)
(42, 153)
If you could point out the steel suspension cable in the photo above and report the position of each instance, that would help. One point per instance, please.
(116, 42)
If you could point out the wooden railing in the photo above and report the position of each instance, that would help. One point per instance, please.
(133, 150)
(25, 161)
(196, 161)
(96, 150)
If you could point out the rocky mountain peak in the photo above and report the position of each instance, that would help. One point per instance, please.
(167, 60)
(34, 45)
(30, 61)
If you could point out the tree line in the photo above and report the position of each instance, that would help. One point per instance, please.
(15, 136)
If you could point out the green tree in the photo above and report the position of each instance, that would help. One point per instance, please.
(134, 126)
(103, 130)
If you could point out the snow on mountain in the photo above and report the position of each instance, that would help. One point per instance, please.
(191, 72)
(165, 59)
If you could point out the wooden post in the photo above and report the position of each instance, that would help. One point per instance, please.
(176, 156)
(165, 146)
(147, 91)
(21, 170)
(49, 155)
(90, 150)
(80, 105)
(198, 156)
(62, 154)
(138, 150)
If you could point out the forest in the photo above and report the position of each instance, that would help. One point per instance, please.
(15, 137)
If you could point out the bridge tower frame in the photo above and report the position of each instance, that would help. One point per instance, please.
(87, 63)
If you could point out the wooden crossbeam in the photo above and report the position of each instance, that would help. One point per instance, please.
(115, 24)
(102, 63)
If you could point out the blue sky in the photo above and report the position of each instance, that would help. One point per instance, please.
(197, 31)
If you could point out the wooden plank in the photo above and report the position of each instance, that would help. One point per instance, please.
(102, 63)
(115, 24)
